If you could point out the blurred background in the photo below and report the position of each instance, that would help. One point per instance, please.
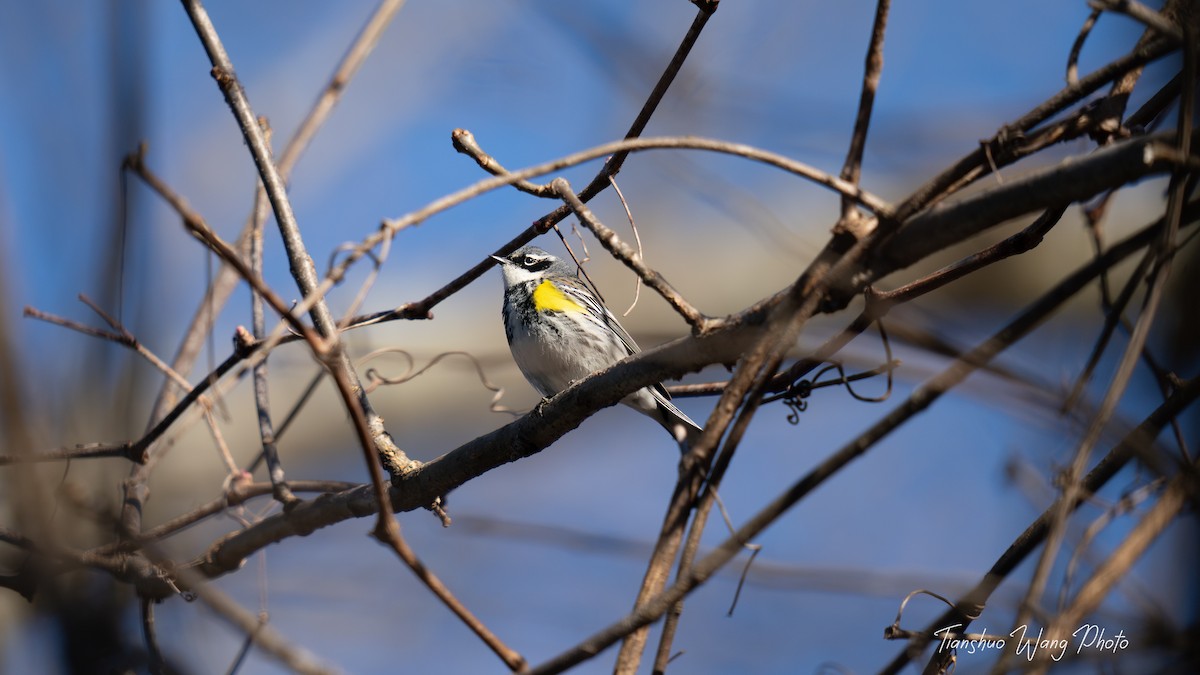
(550, 549)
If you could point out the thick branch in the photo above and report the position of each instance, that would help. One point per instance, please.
(1075, 179)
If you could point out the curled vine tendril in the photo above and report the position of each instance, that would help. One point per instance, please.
(795, 397)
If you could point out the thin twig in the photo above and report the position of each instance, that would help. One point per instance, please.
(38, 314)
(464, 142)
(617, 158)
(238, 492)
(129, 340)
(637, 237)
(749, 385)
(266, 428)
(852, 168)
(377, 260)
(158, 664)
(1114, 315)
(197, 226)
(127, 450)
(598, 183)
(624, 253)
(1073, 58)
(1165, 380)
(247, 643)
(1022, 242)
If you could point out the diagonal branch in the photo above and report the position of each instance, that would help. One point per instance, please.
(852, 169)
(1073, 180)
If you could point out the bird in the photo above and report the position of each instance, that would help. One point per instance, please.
(559, 331)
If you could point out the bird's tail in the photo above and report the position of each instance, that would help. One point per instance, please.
(685, 431)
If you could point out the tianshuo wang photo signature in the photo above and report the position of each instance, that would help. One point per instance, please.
(1089, 637)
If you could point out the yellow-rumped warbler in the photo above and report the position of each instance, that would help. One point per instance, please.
(560, 332)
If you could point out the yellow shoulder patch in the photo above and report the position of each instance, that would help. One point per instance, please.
(547, 298)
